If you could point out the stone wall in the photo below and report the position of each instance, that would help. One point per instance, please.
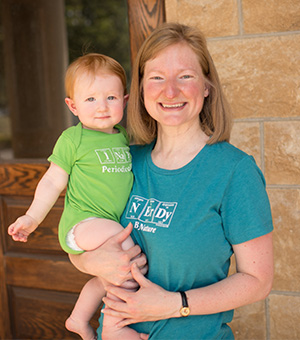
(256, 48)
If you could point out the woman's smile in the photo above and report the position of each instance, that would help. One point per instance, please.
(172, 106)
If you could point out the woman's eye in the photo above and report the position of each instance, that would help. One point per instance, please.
(91, 99)
(186, 76)
(156, 78)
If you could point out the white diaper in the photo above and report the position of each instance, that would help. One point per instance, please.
(70, 238)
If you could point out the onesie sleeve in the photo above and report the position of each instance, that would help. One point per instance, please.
(64, 152)
(123, 131)
(245, 208)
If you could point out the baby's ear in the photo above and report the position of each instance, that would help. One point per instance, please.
(71, 105)
(126, 97)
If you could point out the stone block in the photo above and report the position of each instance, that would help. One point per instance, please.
(282, 152)
(285, 205)
(263, 16)
(246, 136)
(249, 322)
(284, 317)
(260, 76)
(213, 18)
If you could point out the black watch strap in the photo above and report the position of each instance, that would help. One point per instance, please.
(184, 299)
(184, 310)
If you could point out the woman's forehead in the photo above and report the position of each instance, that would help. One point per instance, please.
(178, 55)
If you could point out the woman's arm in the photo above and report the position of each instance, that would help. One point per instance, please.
(251, 283)
(111, 262)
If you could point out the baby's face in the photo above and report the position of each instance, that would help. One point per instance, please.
(99, 101)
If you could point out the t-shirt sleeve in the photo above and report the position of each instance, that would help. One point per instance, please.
(64, 153)
(245, 209)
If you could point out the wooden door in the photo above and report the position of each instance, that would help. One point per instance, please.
(38, 284)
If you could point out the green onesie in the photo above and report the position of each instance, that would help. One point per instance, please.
(100, 177)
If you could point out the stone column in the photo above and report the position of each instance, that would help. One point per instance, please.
(35, 54)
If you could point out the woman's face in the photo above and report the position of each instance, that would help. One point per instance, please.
(174, 87)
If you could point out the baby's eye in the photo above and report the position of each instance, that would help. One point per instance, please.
(91, 99)
(111, 97)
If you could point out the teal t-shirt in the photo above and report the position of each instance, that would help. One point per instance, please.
(186, 221)
(100, 177)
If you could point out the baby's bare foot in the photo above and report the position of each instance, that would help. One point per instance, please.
(83, 329)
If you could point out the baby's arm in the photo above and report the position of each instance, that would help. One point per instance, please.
(46, 194)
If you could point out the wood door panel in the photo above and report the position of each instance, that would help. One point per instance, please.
(44, 272)
(42, 314)
(21, 176)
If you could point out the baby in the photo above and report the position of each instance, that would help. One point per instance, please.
(93, 160)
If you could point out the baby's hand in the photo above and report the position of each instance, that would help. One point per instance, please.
(22, 228)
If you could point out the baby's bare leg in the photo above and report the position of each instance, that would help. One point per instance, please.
(86, 235)
(87, 304)
(89, 235)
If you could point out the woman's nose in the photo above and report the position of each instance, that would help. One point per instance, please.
(171, 88)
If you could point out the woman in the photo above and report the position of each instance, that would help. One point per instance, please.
(196, 200)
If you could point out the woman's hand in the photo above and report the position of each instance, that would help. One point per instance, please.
(110, 262)
(149, 303)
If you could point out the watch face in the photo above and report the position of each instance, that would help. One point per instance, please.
(185, 311)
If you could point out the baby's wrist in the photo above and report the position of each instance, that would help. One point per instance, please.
(34, 219)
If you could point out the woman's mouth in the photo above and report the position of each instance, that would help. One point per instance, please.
(172, 106)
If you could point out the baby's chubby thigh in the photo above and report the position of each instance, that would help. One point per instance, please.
(91, 233)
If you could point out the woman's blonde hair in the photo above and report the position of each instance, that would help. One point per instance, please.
(92, 63)
(215, 117)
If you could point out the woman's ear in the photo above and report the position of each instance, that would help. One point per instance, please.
(71, 105)
(206, 90)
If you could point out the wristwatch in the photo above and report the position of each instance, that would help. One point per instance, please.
(185, 309)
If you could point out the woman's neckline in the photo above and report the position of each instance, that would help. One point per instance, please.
(173, 170)
(171, 154)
